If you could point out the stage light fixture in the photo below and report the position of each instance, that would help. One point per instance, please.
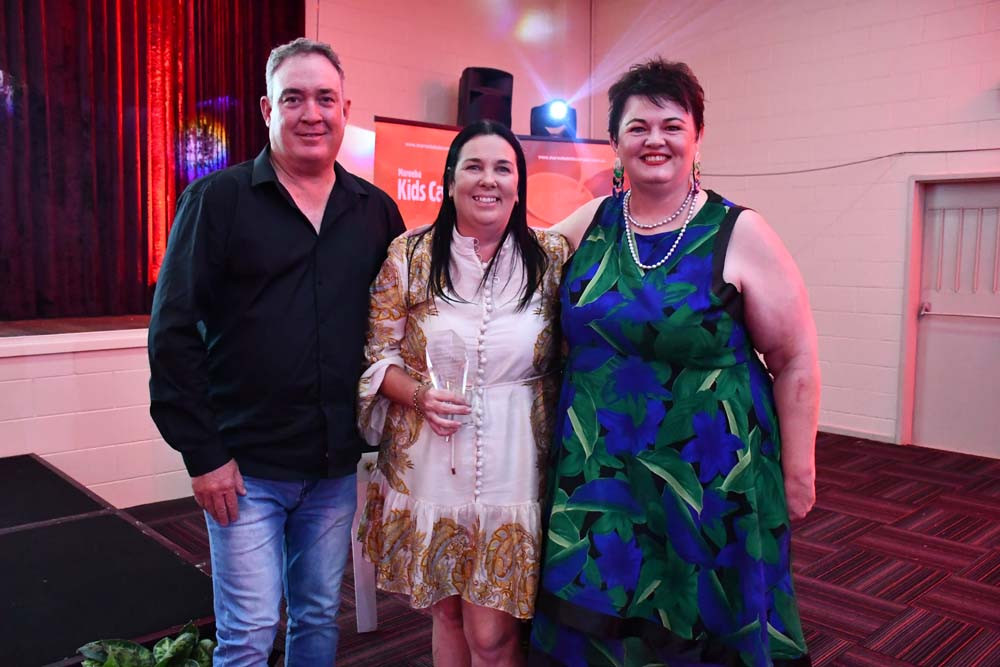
(555, 118)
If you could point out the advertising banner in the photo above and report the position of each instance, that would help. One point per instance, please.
(562, 174)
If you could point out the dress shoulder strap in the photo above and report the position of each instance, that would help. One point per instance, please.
(731, 298)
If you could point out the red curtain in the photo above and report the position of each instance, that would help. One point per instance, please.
(108, 109)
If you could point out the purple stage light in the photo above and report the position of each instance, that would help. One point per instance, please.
(217, 104)
(202, 148)
(7, 92)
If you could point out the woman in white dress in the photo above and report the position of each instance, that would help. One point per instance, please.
(452, 517)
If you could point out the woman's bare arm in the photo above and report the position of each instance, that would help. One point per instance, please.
(576, 224)
(780, 322)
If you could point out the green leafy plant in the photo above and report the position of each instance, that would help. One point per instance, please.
(185, 650)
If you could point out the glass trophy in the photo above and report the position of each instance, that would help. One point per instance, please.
(449, 369)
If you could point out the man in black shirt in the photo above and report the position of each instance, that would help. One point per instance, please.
(255, 348)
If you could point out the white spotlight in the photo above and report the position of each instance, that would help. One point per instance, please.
(557, 109)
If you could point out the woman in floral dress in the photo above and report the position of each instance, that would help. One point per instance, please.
(677, 460)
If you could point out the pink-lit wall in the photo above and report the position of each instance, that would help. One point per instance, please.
(794, 85)
(404, 59)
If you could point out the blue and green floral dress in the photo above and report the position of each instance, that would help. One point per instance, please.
(668, 535)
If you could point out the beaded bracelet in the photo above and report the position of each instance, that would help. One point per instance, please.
(416, 396)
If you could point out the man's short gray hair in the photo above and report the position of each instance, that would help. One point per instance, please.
(299, 47)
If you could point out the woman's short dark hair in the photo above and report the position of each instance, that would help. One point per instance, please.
(534, 259)
(657, 80)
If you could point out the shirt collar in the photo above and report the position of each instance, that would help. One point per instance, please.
(263, 172)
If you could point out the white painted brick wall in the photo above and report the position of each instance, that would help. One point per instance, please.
(86, 411)
(798, 84)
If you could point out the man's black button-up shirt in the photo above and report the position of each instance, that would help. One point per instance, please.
(258, 328)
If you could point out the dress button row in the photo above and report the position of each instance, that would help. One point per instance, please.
(480, 376)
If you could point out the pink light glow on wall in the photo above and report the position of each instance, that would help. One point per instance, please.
(535, 27)
(357, 153)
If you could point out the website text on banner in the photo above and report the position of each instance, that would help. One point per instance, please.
(562, 174)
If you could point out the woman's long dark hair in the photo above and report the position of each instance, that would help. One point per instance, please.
(534, 260)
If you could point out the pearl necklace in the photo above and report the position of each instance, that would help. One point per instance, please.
(666, 221)
(633, 248)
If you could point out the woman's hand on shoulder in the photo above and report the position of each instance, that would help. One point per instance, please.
(574, 226)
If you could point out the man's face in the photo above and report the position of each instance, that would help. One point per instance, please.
(308, 112)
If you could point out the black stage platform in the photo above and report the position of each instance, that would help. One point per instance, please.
(73, 569)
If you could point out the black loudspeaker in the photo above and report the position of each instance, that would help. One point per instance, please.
(484, 92)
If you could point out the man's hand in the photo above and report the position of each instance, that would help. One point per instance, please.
(216, 492)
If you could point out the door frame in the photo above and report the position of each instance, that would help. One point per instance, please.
(916, 196)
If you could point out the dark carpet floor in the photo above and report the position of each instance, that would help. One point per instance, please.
(897, 566)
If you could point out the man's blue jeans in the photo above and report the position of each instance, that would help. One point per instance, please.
(291, 538)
